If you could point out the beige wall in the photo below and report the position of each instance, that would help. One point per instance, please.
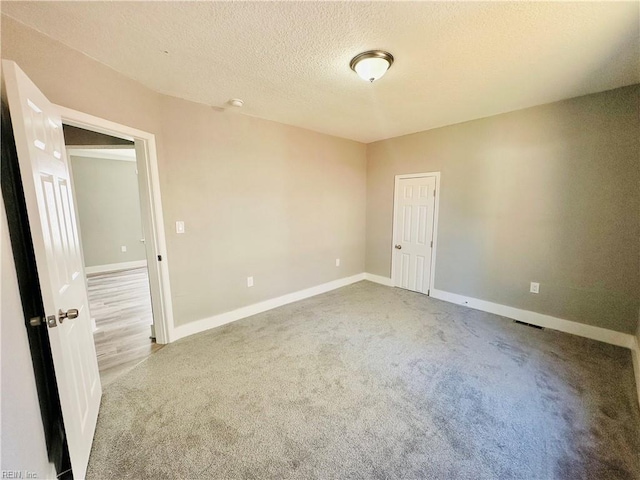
(258, 198)
(106, 193)
(549, 194)
(72, 79)
(22, 441)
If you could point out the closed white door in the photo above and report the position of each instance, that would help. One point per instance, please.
(413, 233)
(45, 177)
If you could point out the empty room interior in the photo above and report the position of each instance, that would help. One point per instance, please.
(313, 240)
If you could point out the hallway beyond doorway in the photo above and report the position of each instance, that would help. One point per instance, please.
(120, 303)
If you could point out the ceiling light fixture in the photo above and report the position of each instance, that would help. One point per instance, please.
(371, 65)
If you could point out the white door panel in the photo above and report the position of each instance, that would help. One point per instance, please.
(45, 177)
(413, 233)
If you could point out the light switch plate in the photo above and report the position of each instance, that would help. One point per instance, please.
(249, 281)
(180, 226)
(535, 287)
(337, 262)
(123, 248)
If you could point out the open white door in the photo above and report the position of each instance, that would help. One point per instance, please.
(45, 177)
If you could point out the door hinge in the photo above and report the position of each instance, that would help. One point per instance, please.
(431, 243)
(159, 258)
(428, 291)
(434, 192)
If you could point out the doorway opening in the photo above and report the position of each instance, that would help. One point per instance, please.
(105, 186)
(150, 208)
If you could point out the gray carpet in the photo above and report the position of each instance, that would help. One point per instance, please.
(373, 382)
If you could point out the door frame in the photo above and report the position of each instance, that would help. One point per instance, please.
(436, 209)
(158, 278)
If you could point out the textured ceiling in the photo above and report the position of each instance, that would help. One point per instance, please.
(289, 61)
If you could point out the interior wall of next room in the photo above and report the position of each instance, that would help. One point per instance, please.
(108, 210)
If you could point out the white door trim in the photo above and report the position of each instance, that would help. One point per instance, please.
(436, 208)
(121, 154)
(160, 286)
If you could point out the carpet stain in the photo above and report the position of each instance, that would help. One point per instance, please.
(511, 351)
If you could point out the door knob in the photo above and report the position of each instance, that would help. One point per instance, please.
(70, 314)
(399, 247)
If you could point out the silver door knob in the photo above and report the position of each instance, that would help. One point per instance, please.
(399, 247)
(70, 314)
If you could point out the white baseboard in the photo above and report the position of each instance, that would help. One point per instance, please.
(228, 317)
(114, 267)
(379, 279)
(589, 331)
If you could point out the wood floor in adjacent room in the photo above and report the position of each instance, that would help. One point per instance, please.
(120, 303)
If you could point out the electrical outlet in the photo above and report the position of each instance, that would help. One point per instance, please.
(123, 248)
(180, 226)
(337, 262)
(535, 287)
(249, 281)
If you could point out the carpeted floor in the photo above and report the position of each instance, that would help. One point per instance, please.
(373, 382)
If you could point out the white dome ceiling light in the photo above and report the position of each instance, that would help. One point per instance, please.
(371, 65)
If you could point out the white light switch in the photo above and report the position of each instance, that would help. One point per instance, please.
(249, 281)
(535, 287)
(180, 227)
(123, 248)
